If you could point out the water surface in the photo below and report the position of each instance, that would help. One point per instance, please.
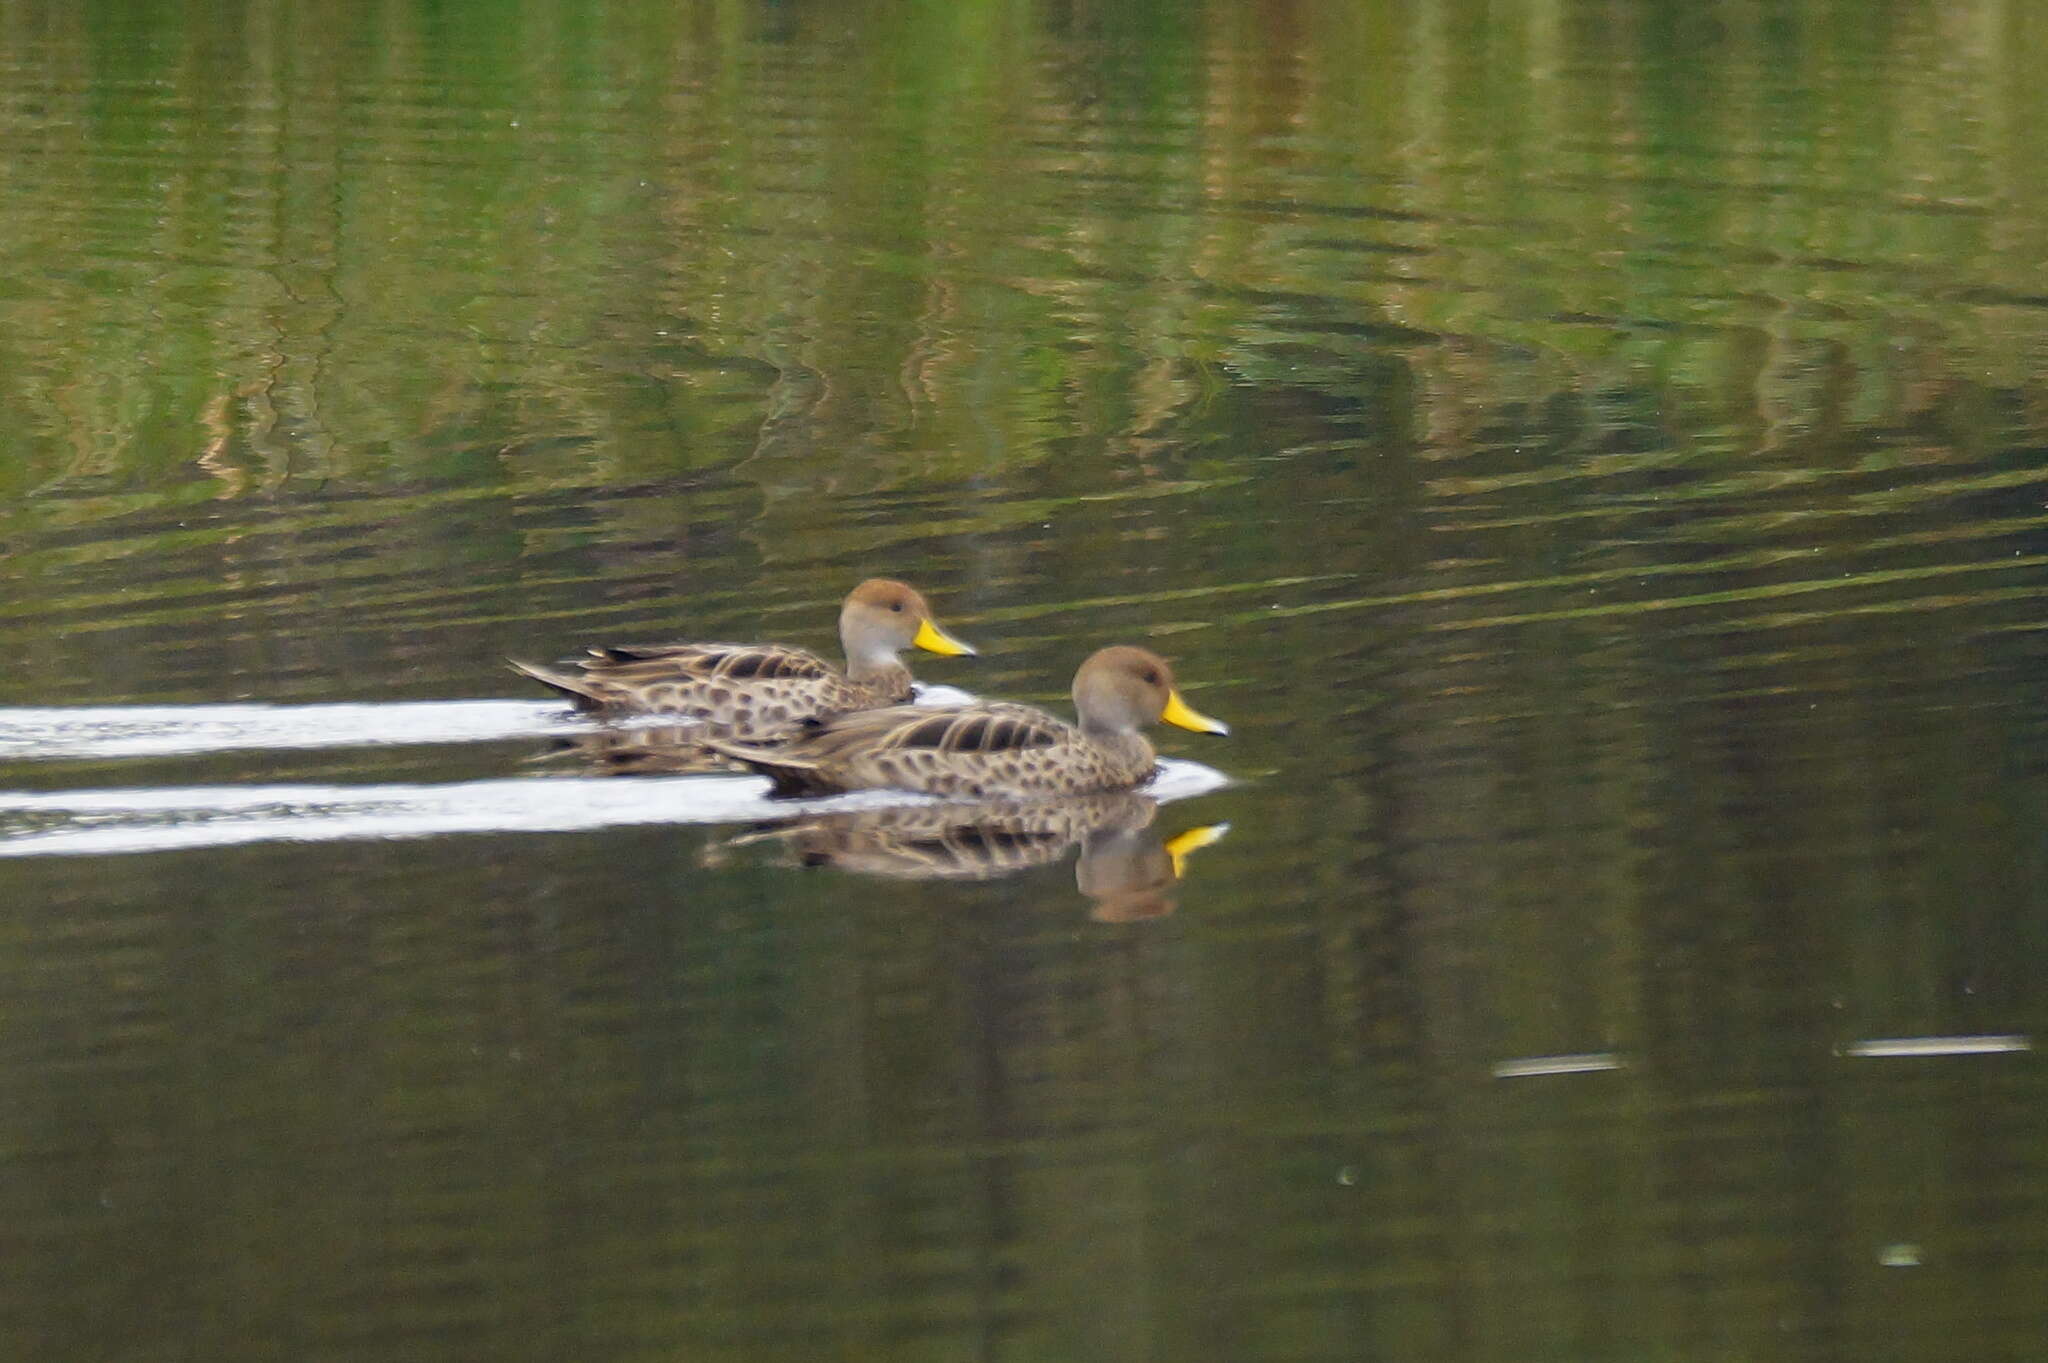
(1593, 456)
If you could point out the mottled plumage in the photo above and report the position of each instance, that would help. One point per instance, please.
(992, 750)
(758, 690)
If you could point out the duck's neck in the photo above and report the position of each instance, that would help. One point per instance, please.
(883, 673)
(1109, 732)
(1128, 749)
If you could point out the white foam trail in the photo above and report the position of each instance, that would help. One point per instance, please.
(102, 822)
(73, 733)
(61, 733)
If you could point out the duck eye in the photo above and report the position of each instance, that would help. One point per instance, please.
(1151, 677)
(896, 606)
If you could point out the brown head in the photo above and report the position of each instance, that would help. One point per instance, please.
(881, 618)
(1121, 690)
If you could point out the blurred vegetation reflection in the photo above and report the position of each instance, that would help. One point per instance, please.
(499, 247)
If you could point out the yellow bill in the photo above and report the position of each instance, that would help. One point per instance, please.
(932, 639)
(1177, 712)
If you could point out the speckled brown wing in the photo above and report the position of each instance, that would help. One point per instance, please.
(732, 662)
(986, 751)
(744, 690)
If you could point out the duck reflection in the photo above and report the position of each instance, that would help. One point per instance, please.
(649, 750)
(1126, 869)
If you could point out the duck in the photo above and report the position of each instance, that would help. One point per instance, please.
(989, 750)
(755, 690)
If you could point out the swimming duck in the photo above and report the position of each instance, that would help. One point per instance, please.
(991, 750)
(753, 690)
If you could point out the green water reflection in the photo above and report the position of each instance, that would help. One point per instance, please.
(1592, 454)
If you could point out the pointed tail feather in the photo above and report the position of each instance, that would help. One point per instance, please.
(792, 775)
(573, 688)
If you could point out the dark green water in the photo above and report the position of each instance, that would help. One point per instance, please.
(1595, 455)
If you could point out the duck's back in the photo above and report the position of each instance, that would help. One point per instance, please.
(985, 751)
(744, 690)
